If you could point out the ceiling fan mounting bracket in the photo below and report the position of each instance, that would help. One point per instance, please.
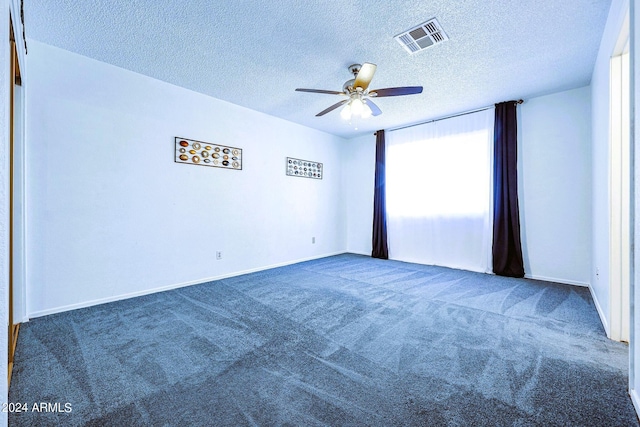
(355, 69)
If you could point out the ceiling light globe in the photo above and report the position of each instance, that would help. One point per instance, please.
(366, 111)
(346, 112)
(356, 107)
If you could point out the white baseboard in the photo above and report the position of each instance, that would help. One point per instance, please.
(85, 304)
(603, 319)
(556, 280)
(527, 276)
(359, 253)
(636, 400)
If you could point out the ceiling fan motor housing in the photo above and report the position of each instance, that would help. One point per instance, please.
(347, 87)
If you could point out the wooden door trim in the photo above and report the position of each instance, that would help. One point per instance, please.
(15, 79)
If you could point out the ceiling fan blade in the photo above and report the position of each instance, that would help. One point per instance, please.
(365, 75)
(396, 91)
(375, 110)
(333, 107)
(329, 92)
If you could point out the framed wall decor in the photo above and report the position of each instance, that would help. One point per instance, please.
(304, 168)
(200, 153)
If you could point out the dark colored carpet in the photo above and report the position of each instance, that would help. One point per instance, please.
(341, 341)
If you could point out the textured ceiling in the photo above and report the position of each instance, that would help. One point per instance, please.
(255, 53)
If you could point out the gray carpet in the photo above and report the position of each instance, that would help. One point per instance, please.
(341, 341)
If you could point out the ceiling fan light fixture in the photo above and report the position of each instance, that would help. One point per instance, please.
(356, 107)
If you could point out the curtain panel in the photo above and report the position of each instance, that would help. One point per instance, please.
(507, 247)
(380, 248)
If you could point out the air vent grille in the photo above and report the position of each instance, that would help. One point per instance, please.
(422, 36)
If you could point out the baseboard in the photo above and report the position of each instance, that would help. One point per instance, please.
(556, 280)
(527, 276)
(636, 400)
(91, 303)
(603, 319)
(359, 253)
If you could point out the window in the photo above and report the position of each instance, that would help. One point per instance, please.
(439, 192)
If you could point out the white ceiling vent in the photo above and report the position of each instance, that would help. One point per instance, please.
(421, 37)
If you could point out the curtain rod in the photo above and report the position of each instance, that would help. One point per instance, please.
(518, 101)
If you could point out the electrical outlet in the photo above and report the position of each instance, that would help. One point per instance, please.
(313, 240)
(218, 255)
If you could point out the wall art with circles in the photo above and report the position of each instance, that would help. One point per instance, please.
(200, 153)
(304, 168)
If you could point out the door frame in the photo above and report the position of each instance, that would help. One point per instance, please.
(16, 186)
(619, 189)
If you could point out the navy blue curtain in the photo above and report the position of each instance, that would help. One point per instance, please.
(507, 248)
(380, 249)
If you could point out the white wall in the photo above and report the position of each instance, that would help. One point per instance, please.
(554, 189)
(600, 161)
(555, 178)
(359, 180)
(110, 213)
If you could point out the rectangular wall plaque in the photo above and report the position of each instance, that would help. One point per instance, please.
(304, 168)
(200, 153)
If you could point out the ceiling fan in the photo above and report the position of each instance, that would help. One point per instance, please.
(357, 93)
